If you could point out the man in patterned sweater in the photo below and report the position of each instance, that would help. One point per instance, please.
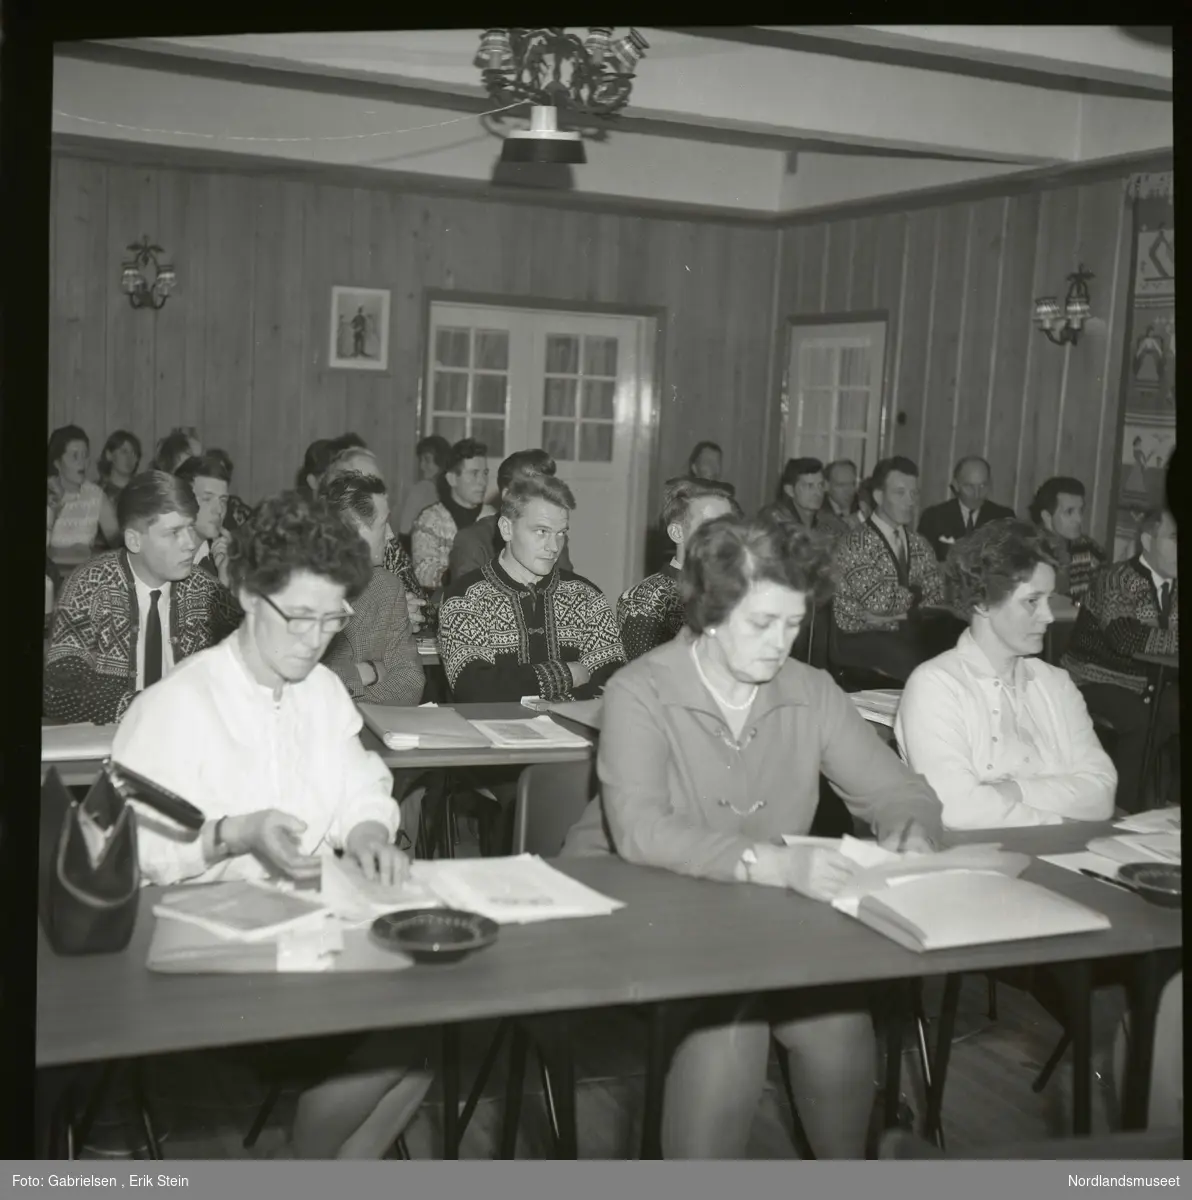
(128, 616)
(1058, 507)
(521, 625)
(1131, 608)
(885, 572)
(461, 503)
(651, 612)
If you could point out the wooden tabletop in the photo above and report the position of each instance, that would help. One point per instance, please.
(676, 937)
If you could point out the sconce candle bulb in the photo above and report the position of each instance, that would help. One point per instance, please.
(142, 290)
(1063, 324)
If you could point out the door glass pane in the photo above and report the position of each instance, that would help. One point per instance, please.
(600, 356)
(451, 347)
(451, 391)
(816, 365)
(853, 413)
(816, 411)
(562, 354)
(816, 445)
(492, 434)
(854, 366)
(595, 442)
(598, 398)
(558, 440)
(488, 393)
(853, 448)
(452, 428)
(492, 350)
(558, 399)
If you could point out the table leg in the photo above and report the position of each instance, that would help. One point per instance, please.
(893, 1085)
(450, 1091)
(657, 1058)
(1149, 976)
(933, 1121)
(1076, 980)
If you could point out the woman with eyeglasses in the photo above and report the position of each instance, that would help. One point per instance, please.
(264, 739)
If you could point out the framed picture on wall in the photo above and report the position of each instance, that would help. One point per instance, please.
(359, 329)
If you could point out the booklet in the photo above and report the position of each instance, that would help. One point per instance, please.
(1139, 847)
(426, 728)
(1159, 820)
(878, 704)
(241, 910)
(518, 733)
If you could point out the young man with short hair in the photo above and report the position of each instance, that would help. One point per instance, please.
(1058, 507)
(943, 525)
(461, 503)
(521, 625)
(800, 499)
(125, 618)
(208, 477)
(652, 612)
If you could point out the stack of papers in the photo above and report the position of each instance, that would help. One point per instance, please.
(242, 910)
(878, 704)
(428, 727)
(1139, 847)
(540, 732)
(1160, 820)
(72, 743)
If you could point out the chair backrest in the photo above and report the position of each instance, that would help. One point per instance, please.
(551, 797)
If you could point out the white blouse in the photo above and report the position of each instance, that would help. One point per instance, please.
(964, 730)
(213, 735)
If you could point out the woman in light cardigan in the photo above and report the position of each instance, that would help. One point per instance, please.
(1002, 737)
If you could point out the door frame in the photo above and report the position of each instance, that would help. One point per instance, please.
(868, 316)
(650, 371)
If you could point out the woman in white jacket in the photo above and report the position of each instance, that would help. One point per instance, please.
(1002, 737)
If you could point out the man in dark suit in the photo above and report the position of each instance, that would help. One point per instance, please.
(945, 524)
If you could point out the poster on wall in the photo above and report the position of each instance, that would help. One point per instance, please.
(359, 329)
(1149, 374)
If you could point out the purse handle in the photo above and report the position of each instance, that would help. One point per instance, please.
(128, 785)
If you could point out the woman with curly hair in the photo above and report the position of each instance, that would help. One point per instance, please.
(1004, 738)
(711, 749)
(264, 739)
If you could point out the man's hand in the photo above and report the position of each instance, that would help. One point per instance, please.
(414, 606)
(910, 838)
(816, 872)
(219, 556)
(579, 674)
(379, 860)
(274, 837)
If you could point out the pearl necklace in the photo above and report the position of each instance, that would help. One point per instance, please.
(715, 694)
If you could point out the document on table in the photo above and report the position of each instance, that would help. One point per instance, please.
(66, 743)
(878, 704)
(427, 727)
(584, 712)
(1160, 820)
(1139, 847)
(519, 733)
(356, 900)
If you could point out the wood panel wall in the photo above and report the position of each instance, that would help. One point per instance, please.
(240, 349)
(966, 370)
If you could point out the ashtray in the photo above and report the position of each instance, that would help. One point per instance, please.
(435, 935)
(1160, 883)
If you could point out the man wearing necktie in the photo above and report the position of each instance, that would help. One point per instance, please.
(209, 478)
(943, 525)
(1132, 608)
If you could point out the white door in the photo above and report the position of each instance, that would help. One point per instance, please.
(834, 393)
(575, 384)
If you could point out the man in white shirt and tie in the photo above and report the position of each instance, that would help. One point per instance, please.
(943, 525)
(885, 572)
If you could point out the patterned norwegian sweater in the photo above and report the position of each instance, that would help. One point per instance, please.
(91, 665)
(651, 612)
(867, 577)
(825, 521)
(431, 539)
(500, 640)
(398, 562)
(1118, 619)
(1079, 562)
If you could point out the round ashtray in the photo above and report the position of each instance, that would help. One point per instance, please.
(1160, 883)
(435, 935)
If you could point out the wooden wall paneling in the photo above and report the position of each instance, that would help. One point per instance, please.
(838, 271)
(191, 300)
(1116, 300)
(915, 338)
(369, 393)
(406, 345)
(1047, 363)
(170, 401)
(863, 265)
(889, 286)
(277, 440)
(813, 263)
(560, 266)
(56, 369)
(979, 335)
(945, 364)
(132, 212)
(1015, 329)
(232, 217)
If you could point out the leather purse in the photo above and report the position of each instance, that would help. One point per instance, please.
(88, 897)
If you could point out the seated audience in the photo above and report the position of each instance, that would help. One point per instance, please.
(124, 620)
(706, 462)
(1002, 737)
(482, 541)
(77, 510)
(207, 476)
(521, 625)
(841, 500)
(237, 511)
(461, 502)
(801, 498)
(283, 779)
(885, 573)
(1131, 608)
(1058, 507)
(176, 447)
(433, 454)
(943, 525)
(711, 749)
(118, 462)
(315, 462)
(374, 654)
(652, 612)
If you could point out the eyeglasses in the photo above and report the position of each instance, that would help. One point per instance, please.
(300, 626)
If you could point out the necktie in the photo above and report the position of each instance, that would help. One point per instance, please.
(900, 542)
(153, 641)
(1165, 604)
(207, 563)
(970, 522)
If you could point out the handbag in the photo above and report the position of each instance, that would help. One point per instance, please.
(88, 895)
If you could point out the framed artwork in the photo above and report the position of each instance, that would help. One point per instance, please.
(359, 329)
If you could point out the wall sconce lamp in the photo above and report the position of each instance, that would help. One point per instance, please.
(1063, 326)
(143, 290)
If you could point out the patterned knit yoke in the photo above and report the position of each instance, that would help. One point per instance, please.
(651, 612)
(91, 664)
